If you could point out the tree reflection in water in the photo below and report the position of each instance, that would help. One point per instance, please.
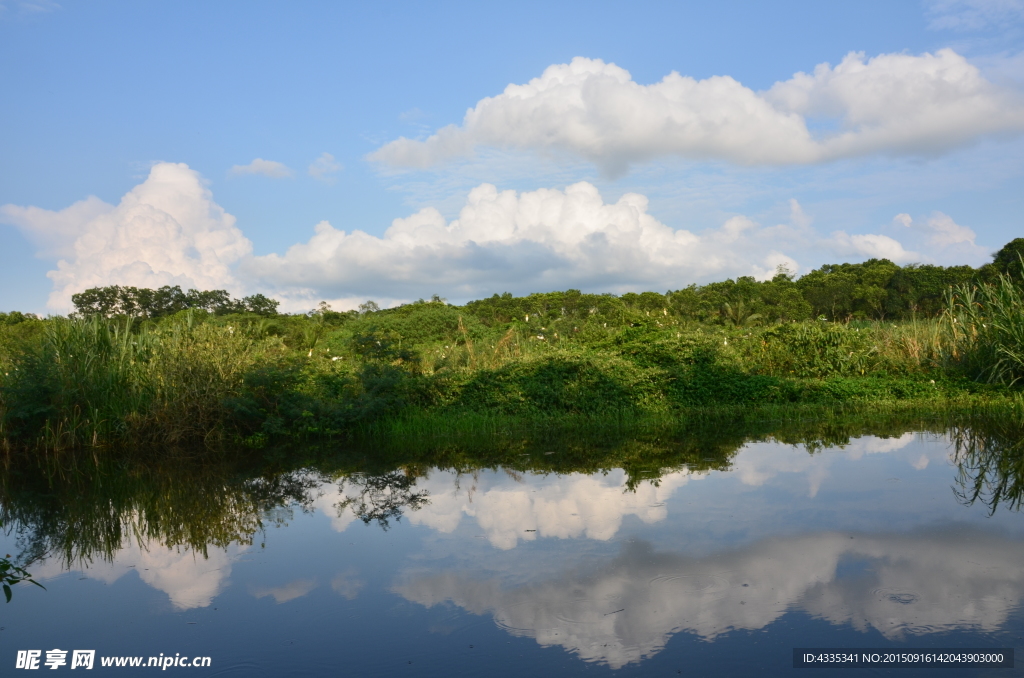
(380, 498)
(87, 516)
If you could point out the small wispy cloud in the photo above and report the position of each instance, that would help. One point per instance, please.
(267, 168)
(27, 7)
(411, 115)
(973, 15)
(323, 167)
(943, 237)
(30, 6)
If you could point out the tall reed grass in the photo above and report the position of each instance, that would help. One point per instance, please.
(984, 331)
(94, 382)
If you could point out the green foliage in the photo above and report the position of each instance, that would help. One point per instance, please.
(191, 379)
(18, 331)
(984, 327)
(420, 323)
(537, 310)
(739, 315)
(17, 318)
(1010, 259)
(815, 349)
(876, 289)
(562, 383)
(920, 291)
(11, 574)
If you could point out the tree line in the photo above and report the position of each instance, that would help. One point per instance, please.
(877, 289)
(142, 302)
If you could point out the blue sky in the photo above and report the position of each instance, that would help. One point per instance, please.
(270, 147)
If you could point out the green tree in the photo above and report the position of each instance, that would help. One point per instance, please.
(871, 293)
(1008, 259)
(261, 305)
(830, 291)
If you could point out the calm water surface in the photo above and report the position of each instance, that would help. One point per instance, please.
(505, 573)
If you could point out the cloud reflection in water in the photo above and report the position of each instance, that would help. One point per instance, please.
(626, 610)
(189, 579)
(509, 511)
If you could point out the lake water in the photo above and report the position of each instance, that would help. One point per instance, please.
(715, 570)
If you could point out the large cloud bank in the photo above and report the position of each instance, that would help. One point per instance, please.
(169, 231)
(523, 242)
(892, 103)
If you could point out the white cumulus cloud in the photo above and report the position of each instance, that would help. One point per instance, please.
(940, 229)
(892, 103)
(523, 242)
(165, 231)
(872, 246)
(267, 168)
(54, 232)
